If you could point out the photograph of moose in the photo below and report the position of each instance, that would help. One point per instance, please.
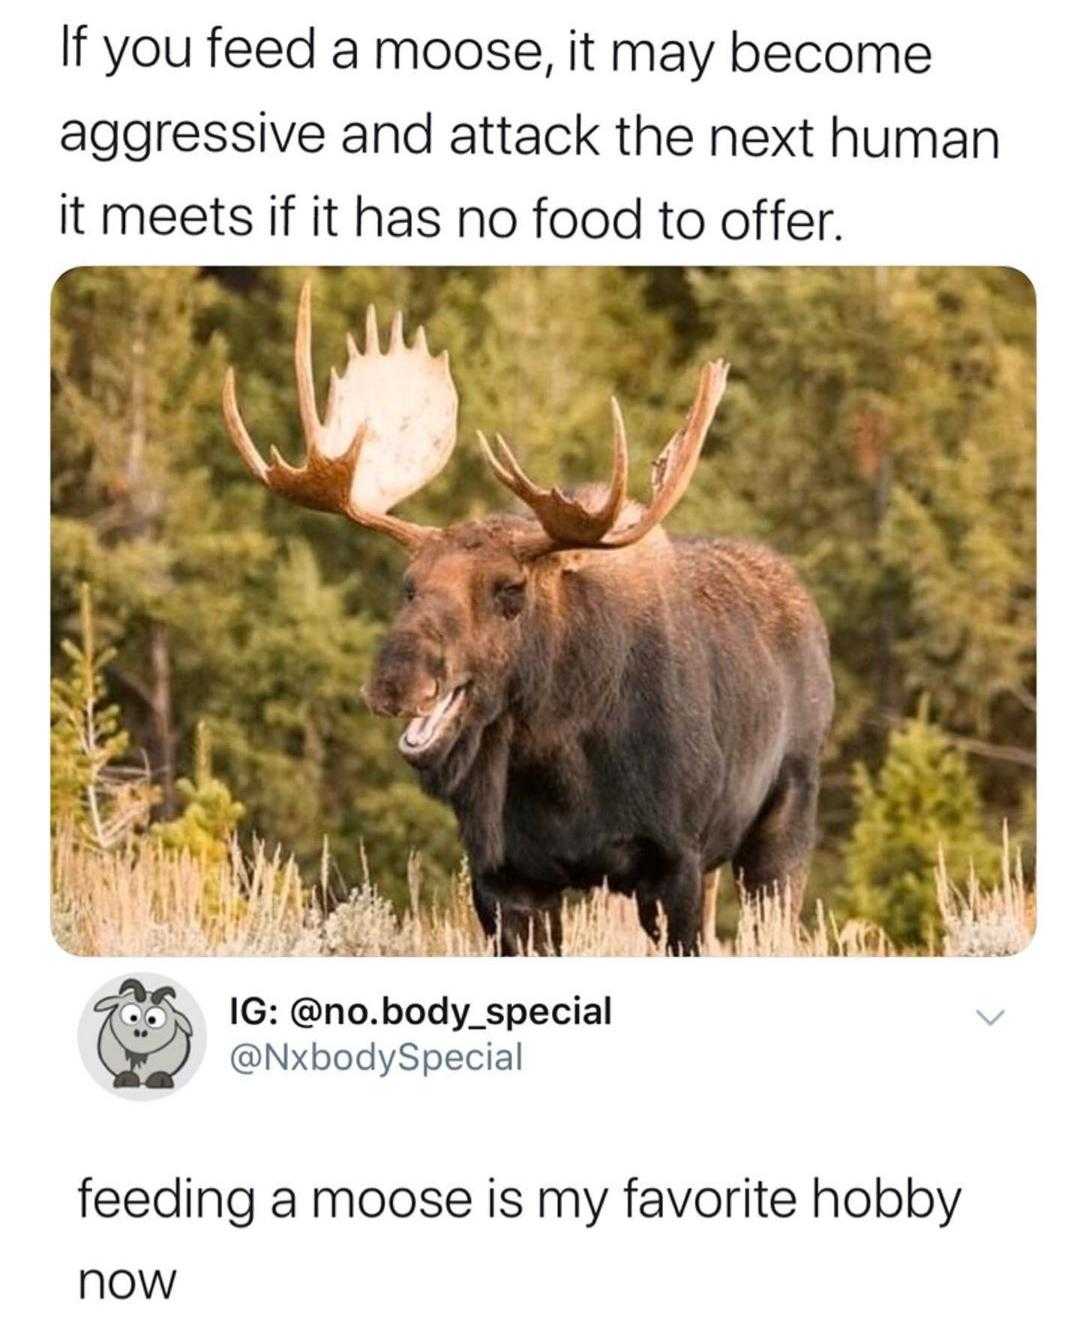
(542, 714)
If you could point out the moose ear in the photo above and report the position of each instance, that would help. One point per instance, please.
(107, 1002)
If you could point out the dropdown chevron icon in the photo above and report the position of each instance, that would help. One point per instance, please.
(987, 1019)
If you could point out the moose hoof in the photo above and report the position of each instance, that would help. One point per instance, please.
(126, 1079)
(159, 1079)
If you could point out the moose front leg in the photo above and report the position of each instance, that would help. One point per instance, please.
(520, 922)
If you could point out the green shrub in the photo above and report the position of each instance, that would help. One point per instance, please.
(89, 789)
(922, 800)
(210, 815)
(398, 820)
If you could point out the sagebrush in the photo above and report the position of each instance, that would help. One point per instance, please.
(147, 900)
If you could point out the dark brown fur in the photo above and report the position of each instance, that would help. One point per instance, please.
(638, 717)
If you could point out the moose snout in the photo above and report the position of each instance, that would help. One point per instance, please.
(409, 671)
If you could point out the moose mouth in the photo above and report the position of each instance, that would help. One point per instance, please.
(423, 731)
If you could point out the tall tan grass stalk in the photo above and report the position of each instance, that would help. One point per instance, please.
(146, 900)
(981, 923)
(767, 928)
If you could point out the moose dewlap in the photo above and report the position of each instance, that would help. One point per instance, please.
(598, 703)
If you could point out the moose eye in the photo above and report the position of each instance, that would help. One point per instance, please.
(130, 1014)
(155, 1018)
(408, 592)
(510, 597)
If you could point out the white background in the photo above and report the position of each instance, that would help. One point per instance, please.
(713, 1071)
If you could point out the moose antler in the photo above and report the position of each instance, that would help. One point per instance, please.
(568, 522)
(391, 422)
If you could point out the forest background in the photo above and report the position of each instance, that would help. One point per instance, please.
(878, 429)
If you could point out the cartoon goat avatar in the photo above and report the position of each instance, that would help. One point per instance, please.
(144, 1034)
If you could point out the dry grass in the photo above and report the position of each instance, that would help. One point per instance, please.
(982, 923)
(146, 901)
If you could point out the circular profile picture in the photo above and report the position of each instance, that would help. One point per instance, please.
(142, 1036)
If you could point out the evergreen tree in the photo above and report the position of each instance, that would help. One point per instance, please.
(89, 789)
(922, 802)
(133, 392)
(210, 814)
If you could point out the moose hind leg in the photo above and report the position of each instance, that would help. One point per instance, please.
(775, 854)
(678, 894)
(652, 923)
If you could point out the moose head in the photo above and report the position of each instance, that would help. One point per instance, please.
(470, 591)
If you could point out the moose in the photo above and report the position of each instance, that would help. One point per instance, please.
(598, 702)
